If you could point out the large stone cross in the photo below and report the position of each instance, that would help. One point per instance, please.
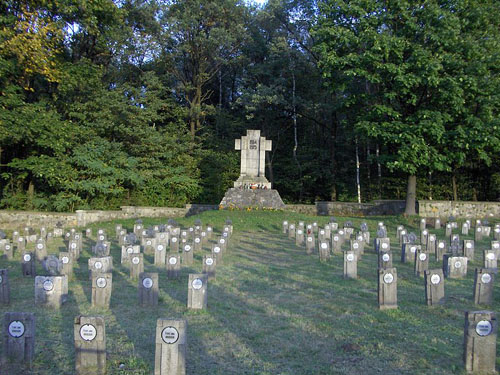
(253, 159)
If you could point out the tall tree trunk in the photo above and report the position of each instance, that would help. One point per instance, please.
(454, 184)
(368, 172)
(379, 172)
(411, 193)
(430, 186)
(296, 142)
(31, 194)
(358, 185)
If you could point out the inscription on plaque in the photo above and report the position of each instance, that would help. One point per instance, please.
(147, 283)
(197, 284)
(16, 329)
(172, 260)
(435, 279)
(101, 282)
(388, 278)
(88, 332)
(483, 328)
(48, 285)
(170, 335)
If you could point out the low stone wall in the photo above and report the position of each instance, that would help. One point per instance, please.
(459, 209)
(20, 219)
(379, 207)
(306, 209)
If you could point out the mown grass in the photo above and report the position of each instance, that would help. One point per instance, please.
(271, 310)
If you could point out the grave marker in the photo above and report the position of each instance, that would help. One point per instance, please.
(480, 342)
(52, 265)
(490, 260)
(4, 287)
(28, 264)
(350, 265)
(160, 255)
(440, 250)
(421, 262)
(434, 287)
(187, 254)
(454, 267)
(170, 350)
(384, 259)
(51, 291)
(483, 286)
(387, 288)
(8, 251)
(469, 249)
(217, 254)
(197, 291)
(324, 251)
(90, 345)
(67, 264)
(136, 265)
(19, 337)
(148, 289)
(173, 265)
(299, 237)
(209, 265)
(310, 244)
(100, 265)
(102, 287)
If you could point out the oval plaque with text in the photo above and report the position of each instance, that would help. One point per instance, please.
(197, 284)
(16, 329)
(172, 261)
(135, 260)
(88, 332)
(209, 261)
(388, 278)
(101, 282)
(483, 328)
(435, 279)
(147, 283)
(48, 285)
(169, 335)
(486, 278)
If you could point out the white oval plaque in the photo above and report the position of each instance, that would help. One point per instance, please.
(169, 335)
(135, 260)
(384, 245)
(441, 245)
(174, 239)
(88, 332)
(324, 245)
(98, 265)
(187, 248)
(486, 278)
(65, 260)
(336, 238)
(197, 240)
(483, 328)
(413, 249)
(101, 238)
(422, 256)
(209, 261)
(73, 245)
(388, 278)
(216, 249)
(16, 329)
(197, 284)
(39, 246)
(355, 245)
(222, 240)
(386, 257)
(309, 239)
(299, 231)
(147, 283)
(101, 282)
(490, 256)
(130, 250)
(468, 245)
(48, 285)
(172, 260)
(458, 264)
(350, 257)
(435, 279)
(159, 248)
(27, 257)
(148, 243)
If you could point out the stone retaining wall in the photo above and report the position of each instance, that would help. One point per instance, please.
(20, 219)
(459, 209)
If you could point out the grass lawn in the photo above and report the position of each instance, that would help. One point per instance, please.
(271, 310)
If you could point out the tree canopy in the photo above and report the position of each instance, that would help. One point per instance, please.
(138, 102)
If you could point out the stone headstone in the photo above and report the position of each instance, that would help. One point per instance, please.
(148, 289)
(4, 287)
(483, 286)
(490, 258)
(187, 254)
(74, 249)
(52, 265)
(136, 265)
(468, 246)
(310, 244)
(149, 245)
(421, 262)
(441, 249)
(382, 244)
(90, 345)
(197, 244)
(478, 233)
(465, 229)
(223, 244)
(423, 237)
(8, 251)
(454, 267)
(299, 237)
(387, 288)
(160, 252)
(422, 224)
(100, 265)
(291, 231)
(51, 291)
(408, 252)
(28, 264)
(209, 266)
(102, 287)
(434, 287)
(217, 254)
(67, 264)
(324, 251)
(197, 291)
(431, 243)
(350, 265)
(496, 233)
(437, 223)
(40, 250)
(336, 243)
(384, 259)
(480, 342)
(129, 251)
(170, 347)
(19, 337)
(173, 266)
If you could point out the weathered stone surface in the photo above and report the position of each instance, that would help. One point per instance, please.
(19, 337)
(484, 280)
(197, 291)
(387, 288)
(136, 265)
(102, 288)
(67, 264)
(28, 264)
(100, 265)
(350, 265)
(51, 291)
(261, 198)
(252, 162)
(209, 266)
(173, 265)
(4, 287)
(170, 347)
(421, 262)
(454, 267)
(148, 288)
(52, 265)
(480, 342)
(434, 287)
(90, 345)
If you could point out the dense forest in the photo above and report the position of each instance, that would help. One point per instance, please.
(137, 102)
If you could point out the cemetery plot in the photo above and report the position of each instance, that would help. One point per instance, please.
(271, 310)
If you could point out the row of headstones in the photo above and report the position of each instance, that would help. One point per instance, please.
(90, 343)
(481, 228)
(53, 290)
(480, 336)
(453, 267)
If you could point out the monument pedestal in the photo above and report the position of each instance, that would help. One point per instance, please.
(261, 198)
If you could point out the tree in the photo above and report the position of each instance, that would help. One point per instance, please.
(395, 64)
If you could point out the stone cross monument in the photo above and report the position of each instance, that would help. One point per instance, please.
(253, 159)
(252, 189)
